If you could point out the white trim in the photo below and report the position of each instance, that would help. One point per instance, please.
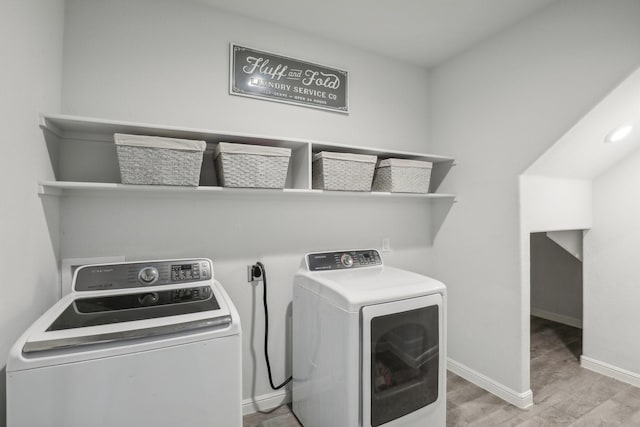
(610, 371)
(520, 400)
(565, 320)
(265, 402)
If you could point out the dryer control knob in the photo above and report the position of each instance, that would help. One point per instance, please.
(346, 260)
(148, 275)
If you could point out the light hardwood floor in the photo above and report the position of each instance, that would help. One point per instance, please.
(564, 394)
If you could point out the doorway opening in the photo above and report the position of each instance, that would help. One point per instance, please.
(556, 306)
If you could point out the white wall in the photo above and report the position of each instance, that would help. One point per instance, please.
(167, 62)
(611, 271)
(30, 79)
(548, 204)
(496, 108)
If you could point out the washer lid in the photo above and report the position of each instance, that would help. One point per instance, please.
(351, 290)
(99, 317)
(151, 304)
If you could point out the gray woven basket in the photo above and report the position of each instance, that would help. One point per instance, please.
(251, 166)
(343, 171)
(402, 176)
(159, 161)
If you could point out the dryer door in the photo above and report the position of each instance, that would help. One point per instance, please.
(403, 368)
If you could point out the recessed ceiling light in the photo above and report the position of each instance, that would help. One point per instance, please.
(618, 134)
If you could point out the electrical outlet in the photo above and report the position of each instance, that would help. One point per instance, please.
(386, 244)
(253, 273)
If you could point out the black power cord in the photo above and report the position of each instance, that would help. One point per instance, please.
(263, 271)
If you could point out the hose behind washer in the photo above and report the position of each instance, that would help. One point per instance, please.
(266, 330)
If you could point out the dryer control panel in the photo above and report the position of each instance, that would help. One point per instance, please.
(141, 274)
(343, 260)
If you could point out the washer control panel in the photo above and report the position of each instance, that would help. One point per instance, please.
(342, 260)
(141, 274)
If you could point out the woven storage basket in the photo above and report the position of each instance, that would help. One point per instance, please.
(402, 176)
(160, 161)
(343, 171)
(251, 166)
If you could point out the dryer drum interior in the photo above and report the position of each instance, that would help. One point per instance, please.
(404, 363)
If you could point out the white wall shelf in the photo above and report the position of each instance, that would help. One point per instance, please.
(84, 160)
(60, 188)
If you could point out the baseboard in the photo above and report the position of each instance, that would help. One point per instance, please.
(610, 371)
(554, 317)
(265, 402)
(269, 401)
(520, 400)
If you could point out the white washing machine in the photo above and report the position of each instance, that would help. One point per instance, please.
(368, 343)
(135, 344)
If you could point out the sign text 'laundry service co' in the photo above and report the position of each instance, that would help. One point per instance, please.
(259, 74)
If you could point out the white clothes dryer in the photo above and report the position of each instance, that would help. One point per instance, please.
(368, 343)
(137, 344)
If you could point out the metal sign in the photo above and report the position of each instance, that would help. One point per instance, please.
(259, 74)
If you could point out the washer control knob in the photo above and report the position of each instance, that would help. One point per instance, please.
(346, 260)
(148, 299)
(148, 275)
